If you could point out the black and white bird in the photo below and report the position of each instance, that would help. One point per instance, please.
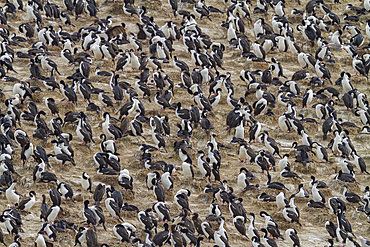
(27, 203)
(108, 145)
(359, 163)
(86, 182)
(113, 208)
(182, 199)
(105, 100)
(65, 190)
(11, 195)
(180, 65)
(187, 169)
(50, 103)
(110, 130)
(364, 241)
(52, 213)
(125, 180)
(358, 65)
(62, 158)
(121, 232)
(291, 215)
(322, 71)
(351, 196)
(162, 211)
(167, 181)
(68, 92)
(16, 242)
(158, 138)
(292, 235)
(220, 240)
(158, 191)
(238, 222)
(260, 106)
(319, 184)
(270, 242)
(301, 192)
(89, 215)
(317, 195)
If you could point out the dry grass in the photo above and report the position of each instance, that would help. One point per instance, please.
(312, 219)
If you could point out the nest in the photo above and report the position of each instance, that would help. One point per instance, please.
(234, 54)
(287, 57)
(362, 52)
(44, 186)
(345, 60)
(205, 197)
(62, 169)
(310, 168)
(38, 97)
(109, 179)
(327, 193)
(128, 195)
(320, 219)
(353, 215)
(116, 8)
(152, 4)
(266, 119)
(359, 80)
(184, 55)
(141, 175)
(175, 76)
(39, 142)
(283, 223)
(132, 162)
(259, 65)
(128, 214)
(334, 67)
(267, 206)
(92, 116)
(361, 137)
(169, 195)
(310, 127)
(339, 185)
(199, 185)
(78, 197)
(300, 200)
(68, 126)
(289, 136)
(294, 18)
(64, 108)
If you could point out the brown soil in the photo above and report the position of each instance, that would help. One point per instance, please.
(312, 233)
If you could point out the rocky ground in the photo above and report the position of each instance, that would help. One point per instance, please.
(312, 232)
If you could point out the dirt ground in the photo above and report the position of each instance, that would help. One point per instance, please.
(312, 232)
